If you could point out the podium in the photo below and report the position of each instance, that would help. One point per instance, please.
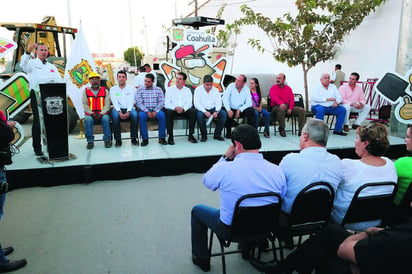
(52, 104)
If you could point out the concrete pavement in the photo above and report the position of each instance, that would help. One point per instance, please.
(130, 226)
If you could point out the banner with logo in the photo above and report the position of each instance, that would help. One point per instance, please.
(190, 56)
(79, 65)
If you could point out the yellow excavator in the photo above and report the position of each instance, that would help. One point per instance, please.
(14, 91)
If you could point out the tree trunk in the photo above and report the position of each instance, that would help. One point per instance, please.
(305, 84)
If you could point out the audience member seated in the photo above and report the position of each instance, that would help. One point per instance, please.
(371, 143)
(208, 103)
(179, 102)
(282, 101)
(237, 102)
(240, 171)
(353, 100)
(257, 105)
(325, 99)
(335, 250)
(150, 102)
(403, 165)
(404, 168)
(122, 97)
(312, 164)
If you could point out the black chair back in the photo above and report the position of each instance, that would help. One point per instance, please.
(312, 205)
(250, 221)
(405, 204)
(369, 208)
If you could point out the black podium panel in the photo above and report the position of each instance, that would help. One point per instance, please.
(54, 108)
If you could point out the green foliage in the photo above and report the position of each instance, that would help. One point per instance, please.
(223, 35)
(313, 35)
(129, 56)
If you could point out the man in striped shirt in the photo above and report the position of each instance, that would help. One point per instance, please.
(150, 102)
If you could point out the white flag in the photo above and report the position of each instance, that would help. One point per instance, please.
(79, 65)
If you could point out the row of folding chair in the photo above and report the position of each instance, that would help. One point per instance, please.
(310, 213)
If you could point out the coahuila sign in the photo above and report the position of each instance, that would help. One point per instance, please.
(182, 35)
(190, 56)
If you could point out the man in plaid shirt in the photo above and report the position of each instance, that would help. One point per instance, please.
(150, 102)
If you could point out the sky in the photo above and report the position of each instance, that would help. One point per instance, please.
(109, 26)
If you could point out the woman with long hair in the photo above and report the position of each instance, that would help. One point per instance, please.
(257, 105)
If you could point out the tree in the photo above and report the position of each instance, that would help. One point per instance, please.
(223, 35)
(129, 56)
(313, 35)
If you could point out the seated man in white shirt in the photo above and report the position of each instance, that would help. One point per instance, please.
(208, 104)
(325, 99)
(122, 97)
(178, 101)
(353, 100)
(312, 164)
(238, 103)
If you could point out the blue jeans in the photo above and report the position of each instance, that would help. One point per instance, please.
(204, 217)
(220, 121)
(266, 116)
(161, 121)
(3, 258)
(116, 124)
(89, 123)
(338, 111)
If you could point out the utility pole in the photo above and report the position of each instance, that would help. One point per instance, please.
(404, 61)
(145, 35)
(194, 1)
(131, 35)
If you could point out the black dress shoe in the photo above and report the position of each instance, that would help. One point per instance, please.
(219, 138)
(192, 139)
(135, 142)
(118, 143)
(162, 141)
(203, 139)
(282, 132)
(12, 265)
(340, 133)
(272, 268)
(145, 143)
(38, 152)
(170, 141)
(346, 128)
(204, 264)
(7, 250)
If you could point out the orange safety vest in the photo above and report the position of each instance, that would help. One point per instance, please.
(96, 103)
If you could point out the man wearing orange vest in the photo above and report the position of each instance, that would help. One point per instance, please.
(96, 104)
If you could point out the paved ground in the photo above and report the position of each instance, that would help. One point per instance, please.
(131, 226)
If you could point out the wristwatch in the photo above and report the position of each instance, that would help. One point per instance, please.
(225, 157)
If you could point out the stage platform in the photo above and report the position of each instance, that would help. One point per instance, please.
(130, 161)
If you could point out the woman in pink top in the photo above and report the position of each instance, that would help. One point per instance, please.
(257, 105)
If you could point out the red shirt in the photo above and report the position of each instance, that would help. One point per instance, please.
(280, 96)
